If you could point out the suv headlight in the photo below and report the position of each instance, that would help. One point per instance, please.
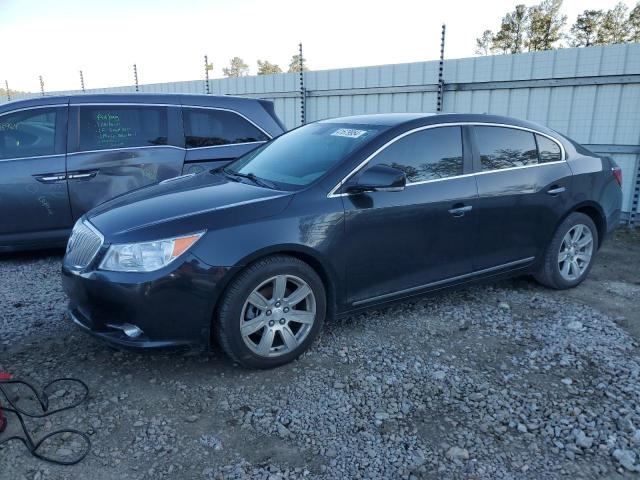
(147, 256)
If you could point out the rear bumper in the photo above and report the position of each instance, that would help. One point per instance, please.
(172, 307)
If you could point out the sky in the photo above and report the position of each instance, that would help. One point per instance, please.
(168, 39)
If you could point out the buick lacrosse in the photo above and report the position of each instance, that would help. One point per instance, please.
(332, 218)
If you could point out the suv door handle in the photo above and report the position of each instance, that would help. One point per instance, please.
(459, 211)
(555, 190)
(51, 177)
(82, 175)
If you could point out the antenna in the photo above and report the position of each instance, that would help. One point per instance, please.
(82, 81)
(6, 84)
(441, 71)
(41, 85)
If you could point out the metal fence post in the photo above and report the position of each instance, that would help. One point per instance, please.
(135, 76)
(6, 84)
(41, 85)
(635, 201)
(207, 88)
(303, 93)
(441, 72)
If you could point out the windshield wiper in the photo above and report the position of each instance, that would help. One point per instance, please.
(251, 176)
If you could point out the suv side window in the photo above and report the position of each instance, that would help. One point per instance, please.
(502, 147)
(205, 127)
(548, 150)
(29, 133)
(122, 126)
(425, 155)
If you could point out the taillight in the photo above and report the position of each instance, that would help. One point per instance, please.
(617, 174)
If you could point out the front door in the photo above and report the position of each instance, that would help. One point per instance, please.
(403, 242)
(34, 203)
(114, 149)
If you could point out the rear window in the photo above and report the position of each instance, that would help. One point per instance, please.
(107, 127)
(210, 128)
(502, 147)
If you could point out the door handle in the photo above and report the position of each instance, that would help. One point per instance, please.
(82, 175)
(460, 211)
(50, 177)
(556, 190)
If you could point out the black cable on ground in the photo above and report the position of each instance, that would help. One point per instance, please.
(43, 399)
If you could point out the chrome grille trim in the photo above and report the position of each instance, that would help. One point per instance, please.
(83, 245)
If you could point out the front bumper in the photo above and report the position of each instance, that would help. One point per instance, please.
(173, 307)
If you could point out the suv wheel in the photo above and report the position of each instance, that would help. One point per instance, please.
(271, 312)
(569, 256)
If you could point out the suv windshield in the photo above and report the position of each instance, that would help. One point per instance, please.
(301, 156)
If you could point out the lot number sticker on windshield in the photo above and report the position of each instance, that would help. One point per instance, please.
(348, 132)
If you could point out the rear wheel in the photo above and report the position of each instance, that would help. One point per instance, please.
(569, 256)
(271, 312)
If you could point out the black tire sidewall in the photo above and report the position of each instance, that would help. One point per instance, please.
(241, 288)
(571, 221)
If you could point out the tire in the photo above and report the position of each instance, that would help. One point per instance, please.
(253, 296)
(555, 274)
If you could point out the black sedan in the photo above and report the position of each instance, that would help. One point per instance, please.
(334, 217)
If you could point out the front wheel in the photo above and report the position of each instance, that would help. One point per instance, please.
(569, 257)
(271, 312)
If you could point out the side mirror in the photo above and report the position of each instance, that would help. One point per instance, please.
(379, 178)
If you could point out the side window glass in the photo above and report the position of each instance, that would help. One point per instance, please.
(505, 147)
(548, 150)
(425, 155)
(30, 133)
(107, 127)
(208, 128)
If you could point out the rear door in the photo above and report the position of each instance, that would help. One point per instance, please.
(34, 204)
(402, 242)
(215, 136)
(523, 187)
(116, 148)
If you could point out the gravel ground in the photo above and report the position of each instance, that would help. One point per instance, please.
(501, 381)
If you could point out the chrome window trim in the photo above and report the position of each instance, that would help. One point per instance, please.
(226, 145)
(145, 147)
(133, 104)
(56, 105)
(332, 193)
(31, 157)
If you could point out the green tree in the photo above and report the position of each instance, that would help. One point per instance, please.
(294, 64)
(236, 68)
(484, 43)
(616, 27)
(634, 24)
(545, 26)
(511, 36)
(584, 32)
(267, 68)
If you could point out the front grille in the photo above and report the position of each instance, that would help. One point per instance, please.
(84, 243)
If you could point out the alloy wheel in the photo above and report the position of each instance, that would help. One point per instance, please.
(575, 252)
(278, 315)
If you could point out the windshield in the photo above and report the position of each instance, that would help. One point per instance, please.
(301, 156)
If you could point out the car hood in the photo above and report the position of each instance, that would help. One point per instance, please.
(187, 203)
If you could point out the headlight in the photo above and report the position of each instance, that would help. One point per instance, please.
(147, 256)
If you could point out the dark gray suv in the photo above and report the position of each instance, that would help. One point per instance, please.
(61, 156)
